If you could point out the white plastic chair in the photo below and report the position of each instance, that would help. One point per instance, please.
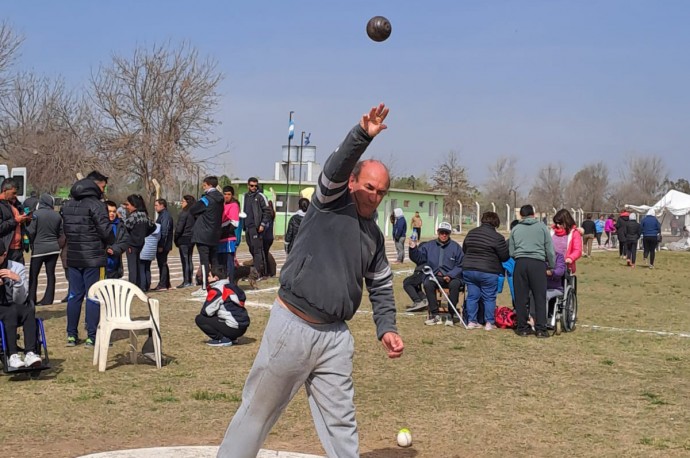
(115, 298)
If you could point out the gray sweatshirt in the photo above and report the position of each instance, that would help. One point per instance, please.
(16, 292)
(337, 250)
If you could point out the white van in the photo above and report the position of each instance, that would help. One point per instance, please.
(19, 175)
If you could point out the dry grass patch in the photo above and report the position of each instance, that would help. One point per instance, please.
(462, 393)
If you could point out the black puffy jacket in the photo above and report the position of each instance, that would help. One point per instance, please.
(209, 217)
(184, 228)
(485, 250)
(86, 226)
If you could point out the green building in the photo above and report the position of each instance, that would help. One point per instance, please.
(428, 204)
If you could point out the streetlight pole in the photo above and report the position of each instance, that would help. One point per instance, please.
(291, 133)
(301, 146)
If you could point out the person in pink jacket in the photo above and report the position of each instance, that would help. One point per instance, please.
(566, 238)
(229, 223)
(609, 228)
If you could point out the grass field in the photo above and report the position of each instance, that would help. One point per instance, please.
(594, 392)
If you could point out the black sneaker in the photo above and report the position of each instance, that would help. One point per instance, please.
(524, 332)
(543, 334)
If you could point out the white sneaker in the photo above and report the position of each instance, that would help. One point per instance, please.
(489, 327)
(15, 362)
(432, 321)
(31, 359)
(201, 292)
(449, 321)
(474, 325)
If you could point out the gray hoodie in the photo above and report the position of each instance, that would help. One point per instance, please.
(531, 239)
(337, 250)
(45, 229)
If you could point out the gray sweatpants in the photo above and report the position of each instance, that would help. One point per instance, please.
(293, 353)
(400, 249)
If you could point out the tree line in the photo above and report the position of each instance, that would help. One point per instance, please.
(139, 117)
(641, 180)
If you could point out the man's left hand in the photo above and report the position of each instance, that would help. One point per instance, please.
(446, 279)
(393, 344)
(372, 122)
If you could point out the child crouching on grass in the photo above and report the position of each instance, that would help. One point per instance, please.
(223, 317)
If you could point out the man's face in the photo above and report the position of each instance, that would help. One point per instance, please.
(253, 186)
(158, 207)
(443, 236)
(101, 185)
(112, 213)
(369, 189)
(227, 197)
(11, 194)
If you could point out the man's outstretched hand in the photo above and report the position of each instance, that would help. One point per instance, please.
(372, 122)
(393, 344)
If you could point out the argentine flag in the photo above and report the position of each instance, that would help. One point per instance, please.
(306, 139)
(291, 130)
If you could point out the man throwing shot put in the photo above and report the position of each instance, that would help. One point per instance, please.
(306, 341)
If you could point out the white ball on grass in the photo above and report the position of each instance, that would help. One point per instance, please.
(404, 437)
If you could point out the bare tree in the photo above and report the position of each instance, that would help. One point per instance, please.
(502, 186)
(47, 128)
(643, 179)
(155, 108)
(588, 188)
(9, 47)
(547, 192)
(451, 177)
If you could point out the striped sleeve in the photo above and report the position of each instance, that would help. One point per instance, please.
(332, 183)
(379, 281)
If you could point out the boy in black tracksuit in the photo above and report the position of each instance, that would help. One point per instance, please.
(223, 317)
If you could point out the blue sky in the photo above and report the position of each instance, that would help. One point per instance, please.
(546, 81)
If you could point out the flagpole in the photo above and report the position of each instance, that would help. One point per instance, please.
(301, 146)
(291, 133)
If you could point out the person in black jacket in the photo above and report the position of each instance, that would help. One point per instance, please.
(270, 267)
(257, 220)
(632, 235)
(45, 232)
(620, 232)
(208, 212)
(164, 244)
(138, 226)
(113, 267)
(588, 237)
(485, 251)
(293, 224)
(183, 240)
(11, 220)
(87, 231)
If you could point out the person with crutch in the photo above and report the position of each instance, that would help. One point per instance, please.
(444, 258)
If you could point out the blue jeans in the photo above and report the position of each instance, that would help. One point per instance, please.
(480, 286)
(80, 280)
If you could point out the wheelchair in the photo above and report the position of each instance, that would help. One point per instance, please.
(41, 350)
(561, 306)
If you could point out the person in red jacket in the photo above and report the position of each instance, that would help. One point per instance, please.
(566, 237)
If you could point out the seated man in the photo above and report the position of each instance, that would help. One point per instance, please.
(223, 317)
(14, 311)
(413, 287)
(444, 256)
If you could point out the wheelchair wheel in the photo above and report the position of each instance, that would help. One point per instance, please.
(569, 315)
